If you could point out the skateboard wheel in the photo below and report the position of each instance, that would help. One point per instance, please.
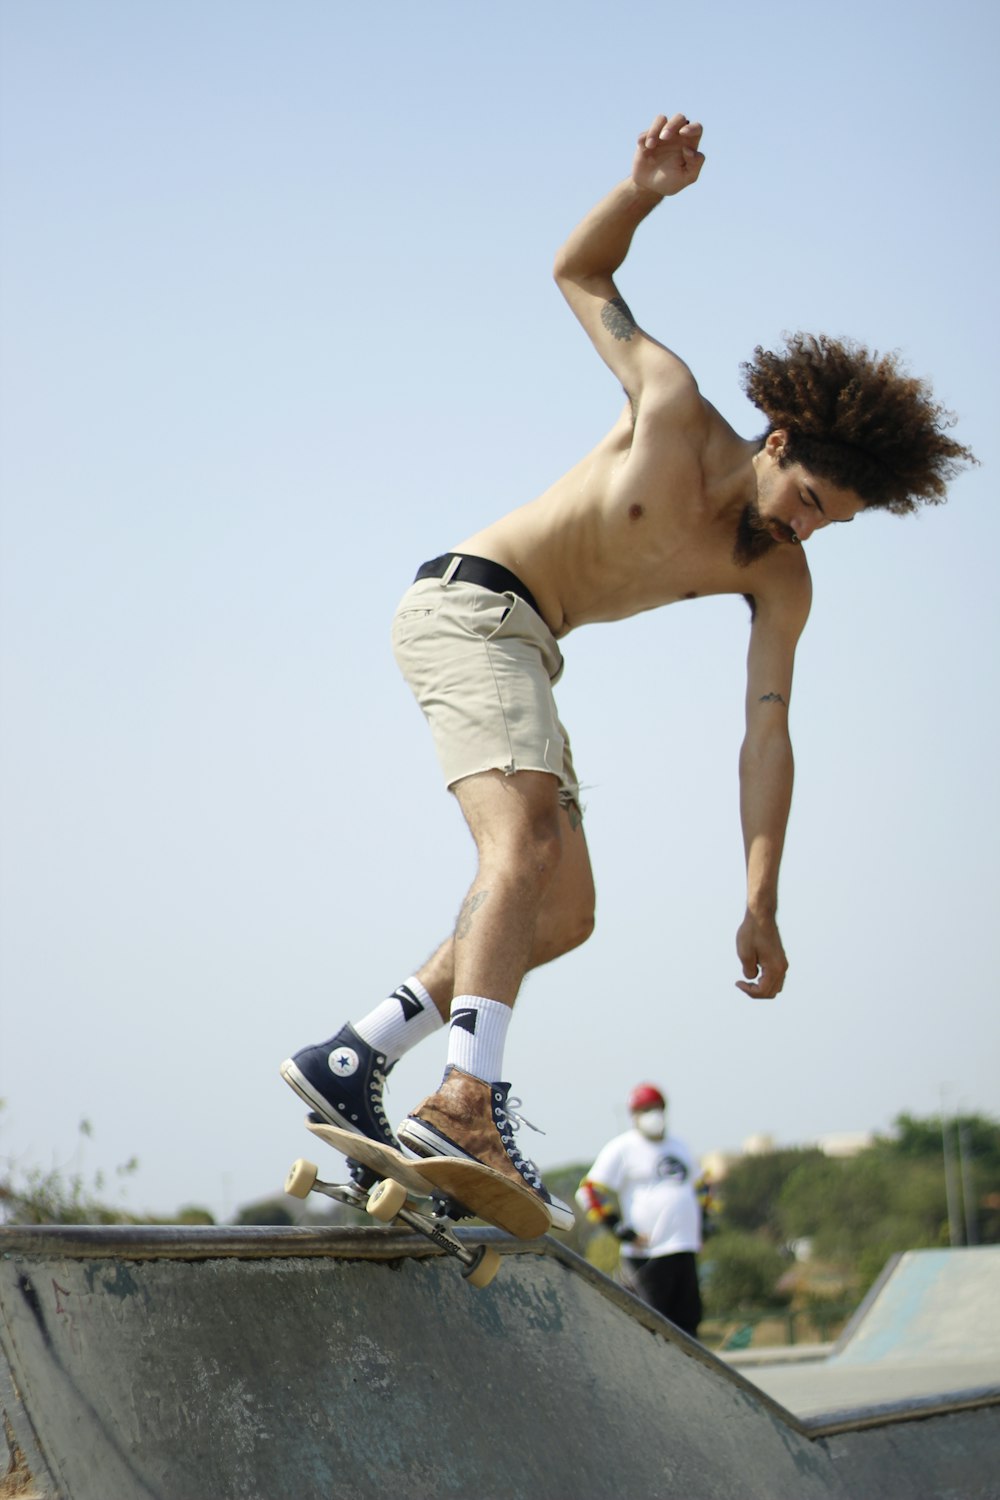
(300, 1179)
(386, 1199)
(486, 1267)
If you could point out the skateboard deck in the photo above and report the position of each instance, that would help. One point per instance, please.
(482, 1190)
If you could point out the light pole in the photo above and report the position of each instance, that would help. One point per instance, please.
(954, 1229)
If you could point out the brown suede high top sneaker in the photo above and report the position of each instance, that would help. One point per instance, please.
(475, 1121)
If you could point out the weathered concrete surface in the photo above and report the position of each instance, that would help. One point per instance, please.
(929, 1328)
(232, 1365)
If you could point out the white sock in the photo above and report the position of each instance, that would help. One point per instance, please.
(400, 1022)
(477, 1036)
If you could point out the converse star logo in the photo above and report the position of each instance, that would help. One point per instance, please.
(343, 1061)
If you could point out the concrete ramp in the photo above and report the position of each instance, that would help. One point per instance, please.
(939, 1307)
(205, 1364)
(928, 1330)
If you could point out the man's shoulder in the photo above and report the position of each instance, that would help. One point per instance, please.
(670, 401)
(615, 1147)
(780, 586)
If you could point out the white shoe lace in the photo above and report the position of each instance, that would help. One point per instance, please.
(375, 1089)
(509, 1122)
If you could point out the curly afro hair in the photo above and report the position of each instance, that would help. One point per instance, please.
(857, 419)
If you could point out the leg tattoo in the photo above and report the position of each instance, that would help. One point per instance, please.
(470, 906)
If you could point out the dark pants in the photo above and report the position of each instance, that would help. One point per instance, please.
(669, 1283)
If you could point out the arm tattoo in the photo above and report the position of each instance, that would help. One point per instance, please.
(771, 698)
(470, 906)
(618, 320)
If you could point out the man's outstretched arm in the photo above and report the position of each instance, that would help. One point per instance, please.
(766, 775)
(667, 160)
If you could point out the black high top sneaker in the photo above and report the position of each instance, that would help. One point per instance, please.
(342, 1081)
(478, 1121)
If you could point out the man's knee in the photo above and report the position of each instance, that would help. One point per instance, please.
(544, 842)
(528, 856)
(527, 843)
(561, 931)
(577, 930)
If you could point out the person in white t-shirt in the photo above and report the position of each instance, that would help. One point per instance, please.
(644, 1188)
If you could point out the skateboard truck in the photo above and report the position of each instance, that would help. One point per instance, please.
(442, 1207)
(427, 1194)
(389, 1202)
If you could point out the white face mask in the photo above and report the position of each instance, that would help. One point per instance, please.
(652, 1123)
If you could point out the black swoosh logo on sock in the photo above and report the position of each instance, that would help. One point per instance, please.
(410, 1005)
(466, 1019)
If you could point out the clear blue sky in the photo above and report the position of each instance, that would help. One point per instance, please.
(278, 324)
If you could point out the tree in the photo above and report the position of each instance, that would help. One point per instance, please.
(751, 1193)
(860, 1211)
(740, 1274)
(918, 1140)
(272, 1211)
(30, 1196)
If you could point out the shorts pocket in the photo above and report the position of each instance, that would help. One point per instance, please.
(411, 619)
(490, 615)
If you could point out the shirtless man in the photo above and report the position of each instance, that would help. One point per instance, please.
(671, 505)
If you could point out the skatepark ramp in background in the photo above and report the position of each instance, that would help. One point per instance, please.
(339, 1364)
(931, 1323)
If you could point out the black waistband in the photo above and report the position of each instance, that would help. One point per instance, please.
(489, 575)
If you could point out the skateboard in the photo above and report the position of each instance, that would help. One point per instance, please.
(424, 1193)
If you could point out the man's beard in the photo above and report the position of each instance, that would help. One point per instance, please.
(753, 539)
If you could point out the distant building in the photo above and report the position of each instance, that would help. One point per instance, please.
(758, 1145)
(846, 1143)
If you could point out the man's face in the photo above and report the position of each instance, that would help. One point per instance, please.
(652, 1123)
(791, 504)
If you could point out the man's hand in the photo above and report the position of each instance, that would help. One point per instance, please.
(760, 951)
(667, 158)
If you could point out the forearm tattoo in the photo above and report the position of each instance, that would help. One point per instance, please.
(618, 320)
(470, 906)
(771, 698)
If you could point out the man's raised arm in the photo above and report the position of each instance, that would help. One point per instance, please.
(667, 160)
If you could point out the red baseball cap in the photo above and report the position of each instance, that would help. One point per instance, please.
(645, 1096)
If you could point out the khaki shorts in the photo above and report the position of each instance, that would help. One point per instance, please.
(481, 666)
